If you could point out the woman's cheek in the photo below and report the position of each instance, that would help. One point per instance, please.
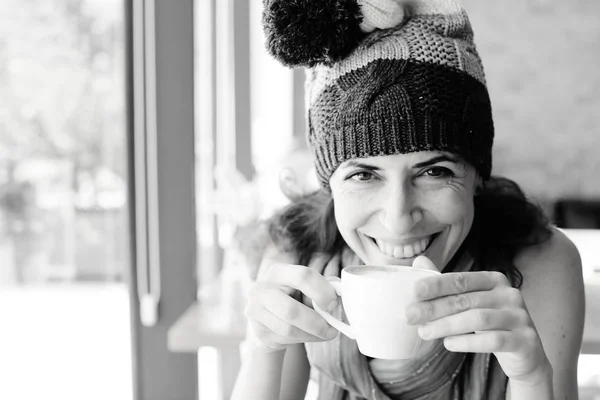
(347, 213)
(451, 207)
(352, 211)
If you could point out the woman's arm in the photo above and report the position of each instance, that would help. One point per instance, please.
(273, 375)
(277, 371)
(554, 294)
(260, 375)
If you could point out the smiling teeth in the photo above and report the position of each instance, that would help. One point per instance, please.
(404, 251)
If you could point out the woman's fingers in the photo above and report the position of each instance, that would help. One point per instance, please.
(477, 320)
(431, 310)
(486, 342)
(478, 312)
(491, 342)
(289, 317)
(278, 320)
(269, 329)
(455, 283)
(304, 279)
(424, 262)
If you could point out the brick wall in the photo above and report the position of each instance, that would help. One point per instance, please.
(542, 63)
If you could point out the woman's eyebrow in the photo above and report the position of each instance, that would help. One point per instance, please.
(356, 164)
(437, 159)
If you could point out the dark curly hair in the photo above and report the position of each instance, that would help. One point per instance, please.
(505, 223)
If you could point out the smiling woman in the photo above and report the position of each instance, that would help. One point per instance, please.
(401, 132)
(391, 209)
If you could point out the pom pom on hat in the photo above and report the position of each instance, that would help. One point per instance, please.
(381, 14)
(311, 32)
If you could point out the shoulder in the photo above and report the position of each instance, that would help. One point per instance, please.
(553, 258)
(552, 276)
(552, 271)
(554, 295)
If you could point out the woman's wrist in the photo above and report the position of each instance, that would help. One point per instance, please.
(538, 385)
(254, 349)
(260, 374)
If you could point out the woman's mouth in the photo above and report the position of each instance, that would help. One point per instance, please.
(405, 250)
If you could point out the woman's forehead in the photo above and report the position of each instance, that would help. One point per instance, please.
(401, 159)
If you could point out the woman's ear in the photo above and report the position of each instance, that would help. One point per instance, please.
(290, 184)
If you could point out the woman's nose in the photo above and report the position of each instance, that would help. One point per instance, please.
(400, 211)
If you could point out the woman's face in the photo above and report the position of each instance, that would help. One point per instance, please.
(390, 209)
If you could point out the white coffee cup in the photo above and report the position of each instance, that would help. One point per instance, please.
(375, 300)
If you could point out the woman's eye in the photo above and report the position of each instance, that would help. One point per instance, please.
(362, 176)
(438, 172)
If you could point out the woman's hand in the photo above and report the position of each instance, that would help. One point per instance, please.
(276, 319)
(479, 312)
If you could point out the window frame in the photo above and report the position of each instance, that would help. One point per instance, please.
(161, 170)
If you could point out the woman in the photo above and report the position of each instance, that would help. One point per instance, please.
(401, 130)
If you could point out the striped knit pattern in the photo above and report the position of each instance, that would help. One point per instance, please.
(415, 87)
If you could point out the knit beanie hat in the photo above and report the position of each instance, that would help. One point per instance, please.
(385, 77)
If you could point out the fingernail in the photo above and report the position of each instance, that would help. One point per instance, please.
(332, 306)
(449, 344)
(411, 315)
(424, 331)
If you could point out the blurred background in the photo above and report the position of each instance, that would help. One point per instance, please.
(143, 141)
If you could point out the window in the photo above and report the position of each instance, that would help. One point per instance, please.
(249, 127)
(64, 234)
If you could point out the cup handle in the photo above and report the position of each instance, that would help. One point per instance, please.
(336, 323)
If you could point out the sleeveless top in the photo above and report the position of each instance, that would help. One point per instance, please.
(346, 374)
